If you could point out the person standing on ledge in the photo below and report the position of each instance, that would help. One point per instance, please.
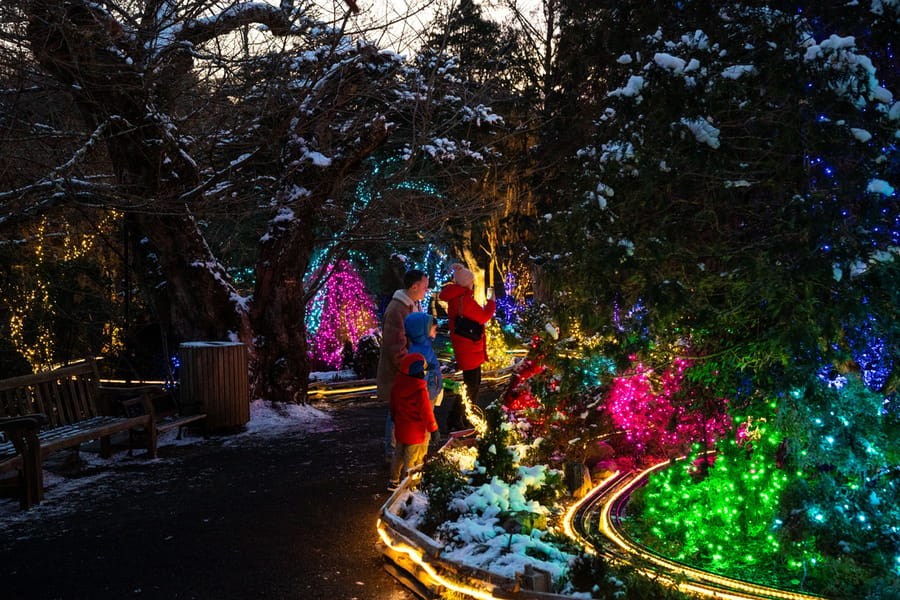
(470, 354)
(394, 343)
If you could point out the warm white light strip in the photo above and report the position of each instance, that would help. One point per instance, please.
(416, 556)
(611, 533)
(570, 515)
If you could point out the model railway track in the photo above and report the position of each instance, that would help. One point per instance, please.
(595, 522)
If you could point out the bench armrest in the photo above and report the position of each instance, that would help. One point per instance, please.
(137, 406)
(23, 423)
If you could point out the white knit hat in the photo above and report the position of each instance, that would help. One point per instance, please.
(462, 276)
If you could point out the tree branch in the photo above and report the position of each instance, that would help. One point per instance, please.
(278, 20)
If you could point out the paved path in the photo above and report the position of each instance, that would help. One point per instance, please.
(234, 517)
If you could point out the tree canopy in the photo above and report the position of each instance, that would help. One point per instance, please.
(195, 120)
(738, 190)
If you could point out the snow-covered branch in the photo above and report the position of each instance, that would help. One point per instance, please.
(274, 18)
(49, 194)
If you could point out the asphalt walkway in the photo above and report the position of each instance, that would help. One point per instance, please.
(231, 517)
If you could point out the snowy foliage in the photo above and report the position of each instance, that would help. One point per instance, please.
(739, 181)
(706, 140)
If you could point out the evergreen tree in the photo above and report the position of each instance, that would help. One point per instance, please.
(738, 187)
(488, 54)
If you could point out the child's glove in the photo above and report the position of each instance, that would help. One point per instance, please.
(450, 385)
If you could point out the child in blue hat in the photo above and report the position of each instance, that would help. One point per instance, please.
(420, 331)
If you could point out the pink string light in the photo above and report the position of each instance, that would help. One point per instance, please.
(346, 314)
(643, 404)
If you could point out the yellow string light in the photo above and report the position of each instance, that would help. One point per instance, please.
(35, 297)
(476, 418)
(417, 556)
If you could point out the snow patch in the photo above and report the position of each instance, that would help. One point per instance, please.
(703, 130)
(632, 88)
(861, 134)
(669, 62)
(738, 71)
(317, 159)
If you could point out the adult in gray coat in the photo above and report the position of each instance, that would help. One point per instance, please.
(394, 342)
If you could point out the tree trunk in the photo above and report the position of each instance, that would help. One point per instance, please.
(278, 316)
(75, 43)
(195, 299)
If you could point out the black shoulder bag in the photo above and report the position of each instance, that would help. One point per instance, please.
(466, 327)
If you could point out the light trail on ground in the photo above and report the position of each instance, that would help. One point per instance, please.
(594, 524)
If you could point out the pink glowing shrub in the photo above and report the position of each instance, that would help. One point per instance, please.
(341, 314)
(659, 416)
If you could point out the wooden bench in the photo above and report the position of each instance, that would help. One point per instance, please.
(166, 411)
(58, 409)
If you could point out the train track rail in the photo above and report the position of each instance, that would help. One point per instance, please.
(595, 523)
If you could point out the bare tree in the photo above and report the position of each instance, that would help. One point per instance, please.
(194, 111)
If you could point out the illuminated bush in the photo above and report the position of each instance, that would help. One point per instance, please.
(341, 312)
(718, 512)
(659, 415)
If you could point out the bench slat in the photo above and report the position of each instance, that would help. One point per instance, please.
(73, 435)
(85, 431)
(7, 451)
(69, 397)
(68, 413)
(43, 400)
(22, 402)
(37, 401)
(167, 423)
(88, 393)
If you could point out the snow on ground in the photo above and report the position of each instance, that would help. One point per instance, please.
(64, 494)
(272, 420)
(479, 538)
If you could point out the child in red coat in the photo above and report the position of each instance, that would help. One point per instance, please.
(413, 417)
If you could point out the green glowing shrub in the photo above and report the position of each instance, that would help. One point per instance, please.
(701, 514)
(811, 505)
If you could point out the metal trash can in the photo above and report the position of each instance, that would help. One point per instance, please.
(214, 379)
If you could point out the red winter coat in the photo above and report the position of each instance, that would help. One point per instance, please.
(469, 354)
(410, 406)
